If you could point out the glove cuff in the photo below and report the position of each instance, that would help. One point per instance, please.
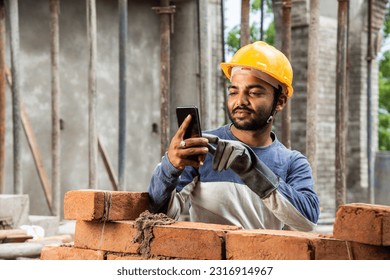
(260, 179)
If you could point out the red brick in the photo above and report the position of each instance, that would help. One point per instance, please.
(363, 223)
(267, 245)
(109, 236)
(53, 252)
(90, 205)
(360, 251)
(386, 230)
(294, 245)
(117, 257)
(187, 240)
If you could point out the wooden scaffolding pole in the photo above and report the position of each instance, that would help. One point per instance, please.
(245, 28)
(92, 88)
(286, 49)
(370, 152)
(341, 102)
(55, 108)
(13, 12)
(2, 97)
(165, 11)
(312, 88)
(34, 147)
(35, 151)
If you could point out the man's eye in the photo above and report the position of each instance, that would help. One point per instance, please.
(232, 92)
(256, 93)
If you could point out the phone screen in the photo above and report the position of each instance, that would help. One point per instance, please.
(193, 129)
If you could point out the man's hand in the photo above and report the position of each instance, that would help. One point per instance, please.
(179, 149)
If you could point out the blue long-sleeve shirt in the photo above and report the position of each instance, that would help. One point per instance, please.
(223, 198)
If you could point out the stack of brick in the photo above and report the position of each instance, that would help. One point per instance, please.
(108, 228)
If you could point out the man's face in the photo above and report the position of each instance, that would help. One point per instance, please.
(250, 101)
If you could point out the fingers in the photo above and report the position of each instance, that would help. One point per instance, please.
(191, 156)
(187, 152)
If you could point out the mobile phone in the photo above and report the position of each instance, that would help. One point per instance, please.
(194, 129)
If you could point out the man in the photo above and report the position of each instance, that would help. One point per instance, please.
(244, 175)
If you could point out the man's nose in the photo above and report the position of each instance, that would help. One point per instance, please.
(242, 98)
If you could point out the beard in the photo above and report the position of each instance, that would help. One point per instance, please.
(258, 122)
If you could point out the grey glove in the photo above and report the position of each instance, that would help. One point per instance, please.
(243, 161)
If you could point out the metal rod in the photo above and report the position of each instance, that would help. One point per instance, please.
(286, 49)
(122, 93)
(93, 143)
(245, 29)
(262, 20)
(341, 103)
(312, 88)
(2, 97)
(55, 104)
(13, 12)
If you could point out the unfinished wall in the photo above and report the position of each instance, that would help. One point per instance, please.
(361, 231)
(143, 88)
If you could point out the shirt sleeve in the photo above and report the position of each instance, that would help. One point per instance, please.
(295, 202)
(163, 182)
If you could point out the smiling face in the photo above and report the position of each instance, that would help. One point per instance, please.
(250, 102)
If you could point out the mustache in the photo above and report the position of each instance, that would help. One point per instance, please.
(243, 108)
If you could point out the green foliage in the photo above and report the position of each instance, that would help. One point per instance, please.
(384, 103)
(384, 132)
(256, 6)
(233, 37)
(386, 27)
(384, 91)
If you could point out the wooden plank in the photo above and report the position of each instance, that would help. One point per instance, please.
(17, 238)
(4, 233)
(108, 166)
(91, 24)
(12, 251)
(33, 144)
(55, 105)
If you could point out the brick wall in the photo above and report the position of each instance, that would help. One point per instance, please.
(169, 239)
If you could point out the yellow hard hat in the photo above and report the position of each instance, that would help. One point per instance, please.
(265, 58)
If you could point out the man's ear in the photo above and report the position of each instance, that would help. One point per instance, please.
(281, 103)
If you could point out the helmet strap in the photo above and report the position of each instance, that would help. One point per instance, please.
(277, 93)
